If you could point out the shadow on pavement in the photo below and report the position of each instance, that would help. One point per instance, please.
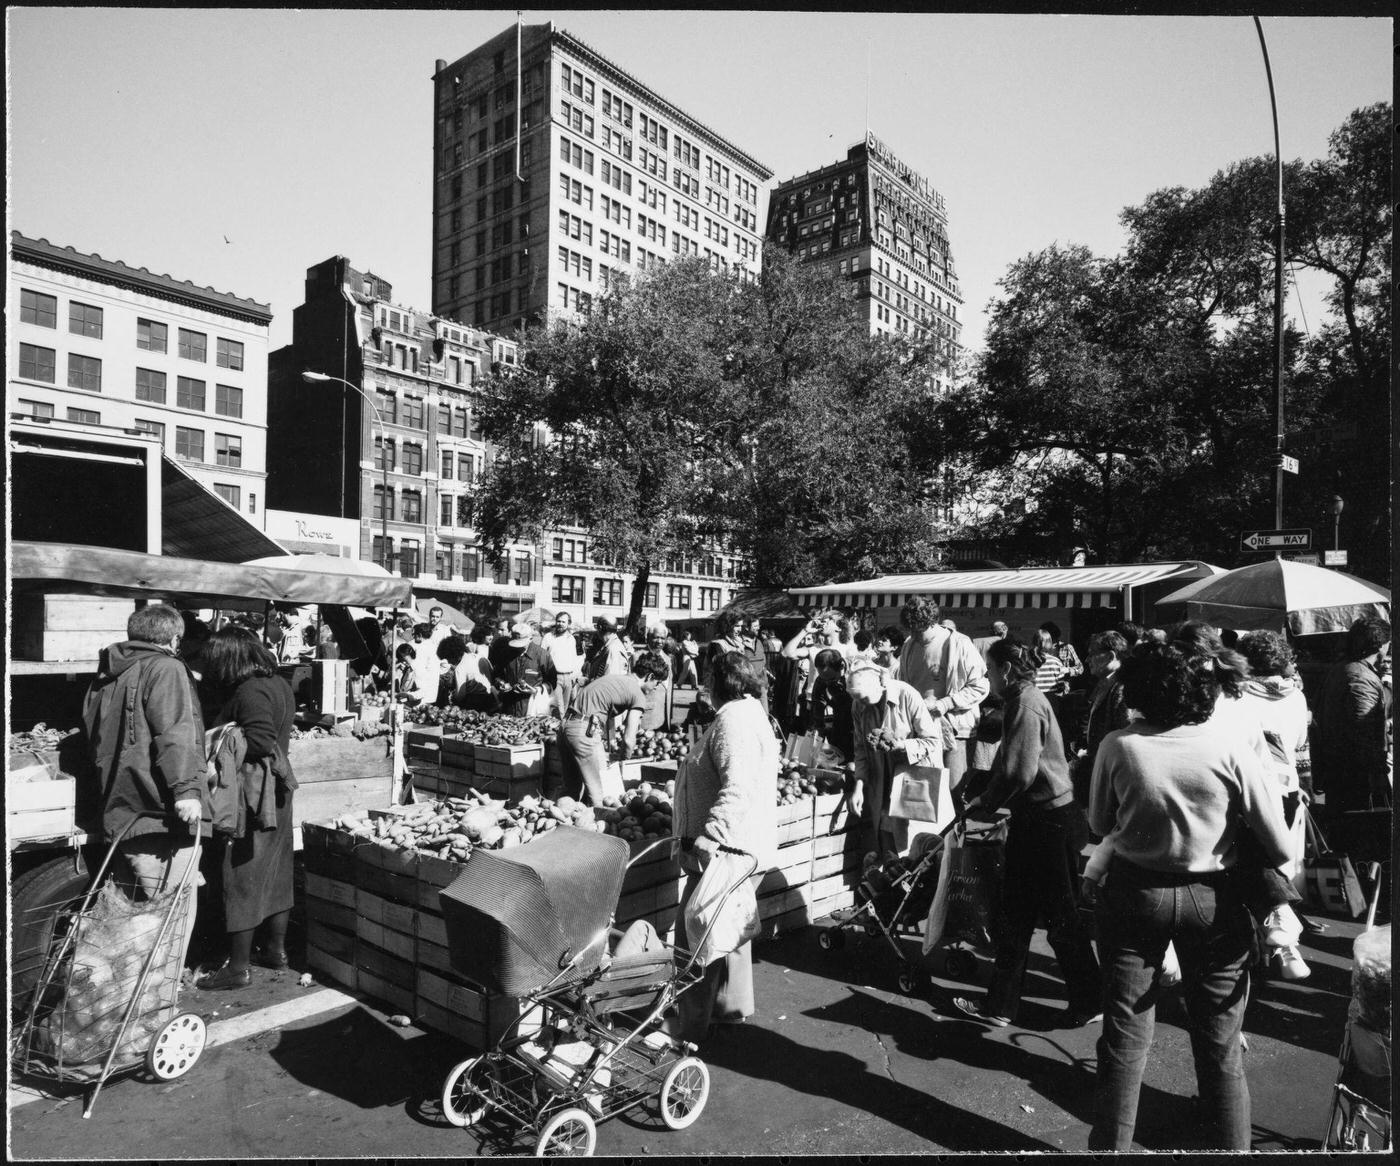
(754, 1051)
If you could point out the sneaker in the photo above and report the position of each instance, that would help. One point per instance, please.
(1276, 931)
(968, 1008)
(1289, 964)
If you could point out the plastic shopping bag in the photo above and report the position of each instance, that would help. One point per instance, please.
(804, 749)
(969, 884)
(722, 914)
(920, 793)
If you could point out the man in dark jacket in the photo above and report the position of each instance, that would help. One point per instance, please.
(146, 738)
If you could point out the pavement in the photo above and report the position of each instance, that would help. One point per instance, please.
(836, 1061)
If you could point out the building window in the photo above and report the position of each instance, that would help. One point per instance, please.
(446, 464)
(383, 553)
(708, 598)
(381, 448)
(459, 421)
(607, 592)
(155, 428)
(677, 597)
(408, 557)
(413, 411)
(413, 506)
(189, 443)
(85, 320)
(150, 385)
(194, 345)
(84, 372)
(388, 404)
(37, 308)
(567, 589)
(471, 565)
(412, 458)
(444, 420)
(378, 509)
(447, 510)
(228, 450)
(228, 401)
(444, 561)
(37, 409)
(189, 393)
(85, 416)
(228, 493)
(524, 570)
(37, 364)
(230, 354)
(652, 597)
(151, 335)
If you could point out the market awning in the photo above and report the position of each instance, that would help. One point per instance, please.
(198, 524)
(1031, 587)
(62, 568)
(482, 587)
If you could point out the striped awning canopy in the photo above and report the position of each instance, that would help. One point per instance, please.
(1099, 586)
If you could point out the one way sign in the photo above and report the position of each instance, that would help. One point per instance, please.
(1280, 540)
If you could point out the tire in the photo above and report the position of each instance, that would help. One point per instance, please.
(36, 898)
(958, 965)
(684, 1093)
(871, 928)
(570, 1133)
(176, 1047)
(908, 982)
(464, 1091)
(831, 938)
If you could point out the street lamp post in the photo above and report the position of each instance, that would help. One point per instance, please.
(1337, 507)
(1279, 436)
(395, 751)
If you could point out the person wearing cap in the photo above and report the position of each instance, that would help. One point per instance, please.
(517, 665)
(583, 732)
(890, 724)
(610, 656)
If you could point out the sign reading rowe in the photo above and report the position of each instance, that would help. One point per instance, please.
(1276, 540)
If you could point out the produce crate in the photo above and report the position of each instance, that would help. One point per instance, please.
(330, 890)
(424, 744)
(509, 762)
(651, 889)
(511, 789)
(456, 751)
(39, 809)
(450, 1005)
(831, 814)
(67, 627)
(455, 783)
(338, 775)
(328, 852)
(659, 772)
(794, 822)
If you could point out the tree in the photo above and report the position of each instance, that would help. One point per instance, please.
(690, 407)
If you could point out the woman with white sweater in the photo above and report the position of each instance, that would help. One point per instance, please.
(725, 800)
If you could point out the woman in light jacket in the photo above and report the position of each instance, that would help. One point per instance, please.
(726, 800)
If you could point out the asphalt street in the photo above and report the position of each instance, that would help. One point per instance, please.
(836, 1061)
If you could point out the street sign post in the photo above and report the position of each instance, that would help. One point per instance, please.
(1334, 558)
(1289, 464)
(1299, 539)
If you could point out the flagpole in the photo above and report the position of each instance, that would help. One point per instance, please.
(519, 18)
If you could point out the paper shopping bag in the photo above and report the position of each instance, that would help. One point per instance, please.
(920, 793)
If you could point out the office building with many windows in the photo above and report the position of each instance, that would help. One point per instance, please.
(876, 222)
(97, 342)
(555, 171)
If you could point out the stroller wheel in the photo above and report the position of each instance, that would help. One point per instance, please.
(570, 1133)
(958, 965)
(684, 1092)
(466, 1094)
(176, 1047)
(872, 929)
(908, 982)
(830, 938)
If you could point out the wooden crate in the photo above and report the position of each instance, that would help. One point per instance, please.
(385, 991)
(398, 967)
(451, 1005)
(67, 627)
(455, 783)
(511, 789)
(331, 890)
(794, 822)
(831, 814)
(328, 914)
(339, 775)
(330, 967)
(456, 751)
(380, 912)
(40, 809)
(338, 944)
(509, 762)
(659, 772)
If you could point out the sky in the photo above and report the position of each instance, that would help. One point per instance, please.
(237, 148)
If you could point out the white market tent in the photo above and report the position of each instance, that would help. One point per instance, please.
(1113, 586)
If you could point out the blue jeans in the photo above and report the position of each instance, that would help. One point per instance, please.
(1140, 911)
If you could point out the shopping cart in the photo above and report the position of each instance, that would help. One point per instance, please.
(588, 1043)
(107, 997)
(1358, 1121)
(894, 901)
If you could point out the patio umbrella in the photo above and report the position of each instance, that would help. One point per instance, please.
(1280, 594)
(456, 617)
(541, 615)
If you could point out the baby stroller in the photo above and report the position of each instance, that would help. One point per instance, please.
(895, 898)
(534, 922)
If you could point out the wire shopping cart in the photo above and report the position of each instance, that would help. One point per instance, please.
(107, 997)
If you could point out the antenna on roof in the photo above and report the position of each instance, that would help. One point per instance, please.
(867, 88)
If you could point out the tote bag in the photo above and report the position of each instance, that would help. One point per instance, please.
(920, 793)
(724, 903)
